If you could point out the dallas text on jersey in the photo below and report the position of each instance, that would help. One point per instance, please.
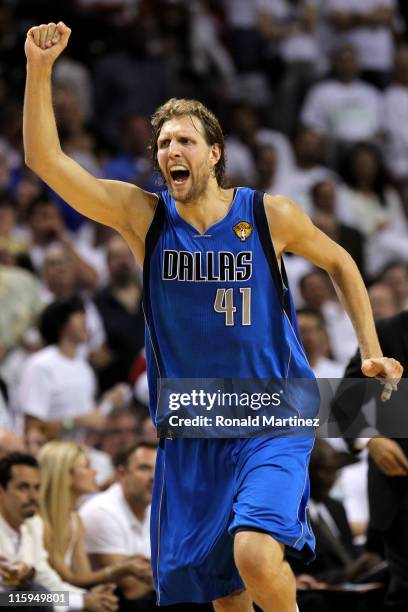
(206, 267)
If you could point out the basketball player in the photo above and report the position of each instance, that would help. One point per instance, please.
(227, 511)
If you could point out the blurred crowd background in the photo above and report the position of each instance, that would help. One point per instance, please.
(313, 99)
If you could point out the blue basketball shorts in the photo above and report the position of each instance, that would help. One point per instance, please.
(204, 490)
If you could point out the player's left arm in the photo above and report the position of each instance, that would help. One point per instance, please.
(293, 231)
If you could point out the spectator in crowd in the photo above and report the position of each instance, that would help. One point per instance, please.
(387, 442)
(47, 228)
(383, 300)
(20, 305)
(10, 442)
(210, 59)
(117, 521)
(120, 433)
(288, 30)
(369, 28)
(243, 141)
(10, 246)
(35, 437)
(66, 475)
(133, 164)
(325, 203)
(318, 294)
(315, 289)
(119, 304)
(374, 207)
(242, 34)
(118, 77)
(28, 188)
(395, 122)
(265, 168)
(61, 282)
(308, 169)
(72, 126)
(341, 107)
(337, 560)
(148, 430)
(77, 78)
(10, 136)
(316, 344)
(21, 538)
(58, 386)
(395, 275)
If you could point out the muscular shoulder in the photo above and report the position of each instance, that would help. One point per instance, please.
(287, 221)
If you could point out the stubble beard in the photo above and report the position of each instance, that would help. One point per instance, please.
(197, 189)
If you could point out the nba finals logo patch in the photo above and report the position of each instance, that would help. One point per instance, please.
(243, 230)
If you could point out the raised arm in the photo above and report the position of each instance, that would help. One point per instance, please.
(122, 206)
(293, 231)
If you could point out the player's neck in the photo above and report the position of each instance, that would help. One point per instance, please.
(208, 208)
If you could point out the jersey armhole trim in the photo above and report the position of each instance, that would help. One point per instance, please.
(152, 238)
(279, 275)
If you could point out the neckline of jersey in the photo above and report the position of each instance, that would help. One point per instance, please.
(212, 227)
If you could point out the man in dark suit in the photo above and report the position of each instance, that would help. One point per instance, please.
(337, 560)
(387, 445)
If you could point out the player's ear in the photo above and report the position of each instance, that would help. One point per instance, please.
(215, 153)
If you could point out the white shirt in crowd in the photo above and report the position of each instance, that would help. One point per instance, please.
(342, 337)
(346, 111)
(328, 368)
(374, 44)
(296, 267)
(367, 213)
(54, 387)
(396, 130)
(28, 545)
(111, 527)
(301, 46)
(240, 161)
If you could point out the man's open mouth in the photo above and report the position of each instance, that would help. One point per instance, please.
(179, 176)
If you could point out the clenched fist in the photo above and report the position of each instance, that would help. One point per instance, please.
(387, 370)
(44, 43)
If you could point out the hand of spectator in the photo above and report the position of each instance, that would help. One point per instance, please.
(101, 599)
(119, 395)
(305, 582)
(140, 567)
(363, 564)
(388, 456)
(137, 566)
(93, 420)
(15, 572)
(46, 42)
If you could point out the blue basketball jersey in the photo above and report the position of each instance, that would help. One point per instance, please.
(216, 304)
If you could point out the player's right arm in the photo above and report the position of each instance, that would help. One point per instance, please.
(122, 206)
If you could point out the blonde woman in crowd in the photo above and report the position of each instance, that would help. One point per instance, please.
(66, 474)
